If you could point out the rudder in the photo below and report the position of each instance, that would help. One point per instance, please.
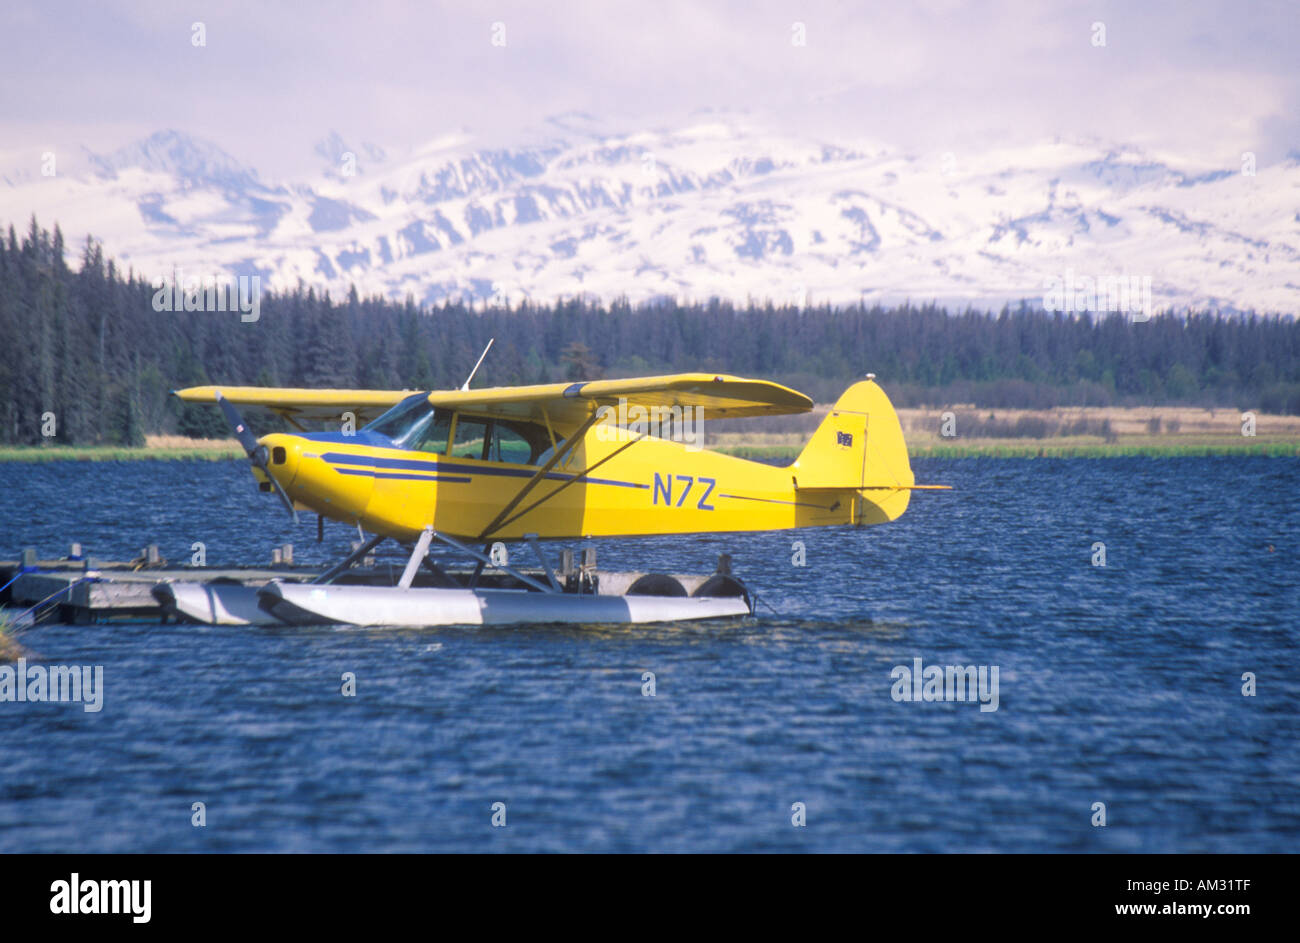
(860, 446)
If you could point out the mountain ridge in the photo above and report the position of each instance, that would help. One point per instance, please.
(718, 208)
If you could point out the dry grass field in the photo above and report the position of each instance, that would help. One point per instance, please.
(1065, 430)
(1172, 423)
(182, 442)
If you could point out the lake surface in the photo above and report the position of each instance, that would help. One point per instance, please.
(1119, 684)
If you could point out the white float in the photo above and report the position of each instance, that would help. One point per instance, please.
(395, 606)
(214, 603)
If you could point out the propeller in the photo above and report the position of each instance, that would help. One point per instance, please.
(257, 455)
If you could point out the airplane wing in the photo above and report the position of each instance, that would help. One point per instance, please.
(300, 405)
(566, 405)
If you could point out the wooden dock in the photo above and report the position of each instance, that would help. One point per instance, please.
(93, 591)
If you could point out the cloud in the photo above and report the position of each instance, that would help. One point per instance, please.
(1203, 79)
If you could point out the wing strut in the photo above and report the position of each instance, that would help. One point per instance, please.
(569, 444)
(574, 480)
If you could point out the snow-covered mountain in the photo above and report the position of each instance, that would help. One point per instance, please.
(723, 208)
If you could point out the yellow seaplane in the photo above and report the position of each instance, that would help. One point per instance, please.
(475, 468)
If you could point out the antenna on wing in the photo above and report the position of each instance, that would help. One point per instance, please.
(465, 385)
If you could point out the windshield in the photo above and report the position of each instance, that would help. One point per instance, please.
(406, 422)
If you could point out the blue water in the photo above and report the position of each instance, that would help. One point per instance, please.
(1119, 685)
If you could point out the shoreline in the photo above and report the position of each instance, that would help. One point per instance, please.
(113, 453)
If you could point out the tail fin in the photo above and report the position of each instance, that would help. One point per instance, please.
(860, 446)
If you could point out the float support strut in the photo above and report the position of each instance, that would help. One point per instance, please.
(486, 560)
(541, 558)
(351, 558)
(413, 564)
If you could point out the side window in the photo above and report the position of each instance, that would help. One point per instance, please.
(434, 437)
(509, 446)
(471, 438)
(492, 440)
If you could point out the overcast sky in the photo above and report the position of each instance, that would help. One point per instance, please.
(1201, 80)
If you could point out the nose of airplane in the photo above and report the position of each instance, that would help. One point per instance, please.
(304, 467)
(283, 456)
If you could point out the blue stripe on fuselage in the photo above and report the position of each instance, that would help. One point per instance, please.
(436, 466)
(455, 479)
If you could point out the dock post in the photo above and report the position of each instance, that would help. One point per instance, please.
(724, 564)
(286, 555)
(29, 556)
(151, 555)
(276, 556)
(369, 559)
(587, 570)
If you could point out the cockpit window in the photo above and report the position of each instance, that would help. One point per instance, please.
(432, 436)
(523, 443)
(509, 445)
(414, 424)
(471, 438)
(499, 440)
